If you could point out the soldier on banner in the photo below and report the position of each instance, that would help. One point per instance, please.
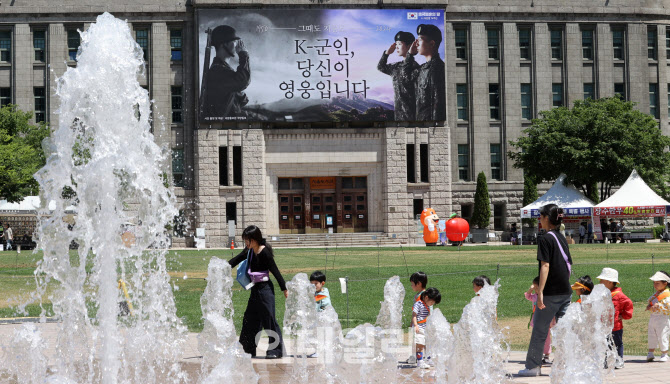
(401, 73)
(224, 85)
(430, 81)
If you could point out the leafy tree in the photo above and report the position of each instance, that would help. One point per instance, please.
(481, 212)
(598, 142)
(529, 195)
(21, 153)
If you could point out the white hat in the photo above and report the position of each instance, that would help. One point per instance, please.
(660, 276)
(609, 274)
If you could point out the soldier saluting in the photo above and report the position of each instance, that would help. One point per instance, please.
(223, 96)
(430, 86)
(401, 73)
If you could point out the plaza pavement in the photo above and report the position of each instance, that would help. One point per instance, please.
(636, 371)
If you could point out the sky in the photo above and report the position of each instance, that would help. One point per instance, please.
(269, 36)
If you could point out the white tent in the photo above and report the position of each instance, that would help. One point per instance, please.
(29, 204)
(633, 199)
(573, 202)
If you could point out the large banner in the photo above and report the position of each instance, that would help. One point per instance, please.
(299, 65)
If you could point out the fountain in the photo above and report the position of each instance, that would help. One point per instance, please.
(440, 343)
(585, 327)
(300, 324)
(103, 159)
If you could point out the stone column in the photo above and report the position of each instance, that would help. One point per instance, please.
(160, 83)
(394, 194)
(57, 56)
(22, 63)
(573, 64)
(253, 178)
(543, 70)
(638, 81)
(512, 97)
(604, 60)
(662, 78)
(439, 168)
(207, 182)
(479, 149)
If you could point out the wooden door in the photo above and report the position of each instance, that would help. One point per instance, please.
(291, 213)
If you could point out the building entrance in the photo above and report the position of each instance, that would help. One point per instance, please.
(319, 204)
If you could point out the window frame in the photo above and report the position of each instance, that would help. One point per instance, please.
(465, 155)
(40, 55)
(223, 166)
(5, 96)
(142, 39)
(527, 48)
(621, 56)
(589, 46)
(6, 46)
(177, 98)
(237, 165)
(653, 100)
(496, 161)
(529, 95)
(40, 113)
(554, 93)
(462, 111)
(494, 108)
(424, 163)
(410, 153)
(592, 93)
(71, 32)
(556, 49)
(461, 46)
(500, 218)
(622, 95)
(173, 47)
(496, 46)
(178, 167)
(652, 43)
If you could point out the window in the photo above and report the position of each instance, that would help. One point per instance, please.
(587, 44)
(237, 165)
(73, 41)
(620, 90)
(284, 184)
(651, 43)
(557, 94)
(40, 104)
(588, 91)
(524, 43)
(418, 208)
(556, 44)
(462, 101)
(178, 167)
(493, 38)
(617, 43)
(176, 105)
(526, 102)
(494, 101)
(175, 44)
(5, 96)
(667, 43)
(39, 44)
(411, 168)
(423, 162)
(466, 212)
(5, 46)
(463, 162)
(223, 167)
(496, 159)
(653, 100)
(142, 38)
(668, 99)
(231, 212)
(499, 217)
(461, 37)
(297, 183)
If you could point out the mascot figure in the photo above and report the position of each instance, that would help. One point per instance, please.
(429, 219)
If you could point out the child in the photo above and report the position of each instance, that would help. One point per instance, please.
(531, 295)
(321, 295)
(623, 309)
(418, 280)
(659, 323)
(420, 313)
(583, 287)
(478, 283)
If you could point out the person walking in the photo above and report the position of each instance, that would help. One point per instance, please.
(260, 313)
(554, 291)
(9, 237)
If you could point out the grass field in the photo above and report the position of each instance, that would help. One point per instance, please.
(449, 269)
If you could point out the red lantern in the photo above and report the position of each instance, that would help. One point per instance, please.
(457, 229)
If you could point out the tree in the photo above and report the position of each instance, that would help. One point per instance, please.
(481, 214)
(21, 153)
(598, 142)
(529, 195)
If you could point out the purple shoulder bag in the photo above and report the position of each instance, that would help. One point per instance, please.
(256, 277)
(565, 257)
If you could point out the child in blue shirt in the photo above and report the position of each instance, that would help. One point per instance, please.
(321, 295)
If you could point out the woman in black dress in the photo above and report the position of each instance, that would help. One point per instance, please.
(260, 313)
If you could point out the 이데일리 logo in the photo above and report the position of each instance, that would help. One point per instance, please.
(412, 16)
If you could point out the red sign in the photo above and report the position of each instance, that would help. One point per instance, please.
(645, 211)
(322, 183)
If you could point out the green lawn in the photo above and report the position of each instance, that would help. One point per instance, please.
(449, 269)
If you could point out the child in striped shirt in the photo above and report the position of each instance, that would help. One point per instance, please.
(420, 313)
(658, 330)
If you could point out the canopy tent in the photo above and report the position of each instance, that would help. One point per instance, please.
(28, 205)
(573, 202)
(576, 206)
(633, 199)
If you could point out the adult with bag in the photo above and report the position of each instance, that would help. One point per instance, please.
(257, 261)
(553, 295)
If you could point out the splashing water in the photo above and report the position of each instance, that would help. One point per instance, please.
(480, 349)
(25, 352)
(103, 159)
(390, 314)
(218, 341)
(440, 343)
(586, 327)
(300, 322)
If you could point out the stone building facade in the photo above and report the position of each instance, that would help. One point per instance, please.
(506, 60)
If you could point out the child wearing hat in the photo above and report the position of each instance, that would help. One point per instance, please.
(583, 287)
(623, 309)
(658, 330)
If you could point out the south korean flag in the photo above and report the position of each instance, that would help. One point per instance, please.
(412, 16)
